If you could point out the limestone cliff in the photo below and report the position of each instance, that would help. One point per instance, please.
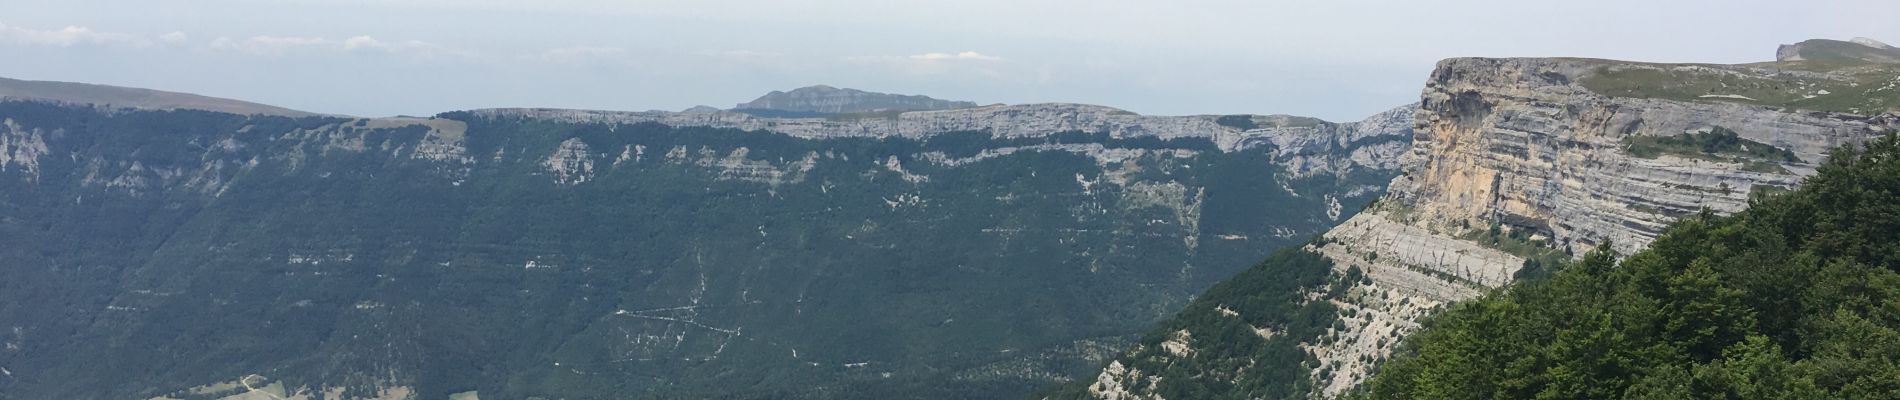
(1514, 163)
(1306, 146)
(1525, 145)
(1515, 141)
(1376, 142)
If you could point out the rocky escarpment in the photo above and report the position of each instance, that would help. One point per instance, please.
(1520, 145)
(1516, 142)
(1375, 142)
(1306, 146)
(831, 100)
(588, 254)
(1518, 163)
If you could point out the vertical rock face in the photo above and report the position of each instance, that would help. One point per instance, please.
(1324, 148)
(572, 163)
(1525, 146)
(1516, 142)
(1513, 163)
(21, 148)
(1306, 146)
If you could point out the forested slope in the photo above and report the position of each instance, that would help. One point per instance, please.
(1798, 297)
(196, 255)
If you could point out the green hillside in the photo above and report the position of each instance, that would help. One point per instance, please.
(151, 252)
(1839, 86)
(1796, 298)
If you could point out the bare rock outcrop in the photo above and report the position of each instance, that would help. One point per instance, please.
(1522, 145)
(1306, 146)
(1518, 142)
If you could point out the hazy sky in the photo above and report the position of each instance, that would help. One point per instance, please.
(1336, 59)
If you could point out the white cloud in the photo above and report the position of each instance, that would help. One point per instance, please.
(174, 38)
(67, 37)
(363, 42)
(280, 45)
(741, 54)
(71, 36)
(965, 55)
(270, 45)
(584, 54)
(415, 47)
(968, 64)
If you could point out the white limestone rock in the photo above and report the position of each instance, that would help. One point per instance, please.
(572, 163)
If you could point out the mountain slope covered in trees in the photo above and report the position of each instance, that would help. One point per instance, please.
(199, 255)
(1516, 165)
(1796, 298)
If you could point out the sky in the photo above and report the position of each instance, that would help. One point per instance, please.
(1340, 60)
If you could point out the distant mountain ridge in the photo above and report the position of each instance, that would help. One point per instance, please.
(979, 252)
(1857, 49)
(832, 100)
(1305, 146)
(125, 97)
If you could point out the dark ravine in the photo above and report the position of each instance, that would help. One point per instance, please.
(527, 253)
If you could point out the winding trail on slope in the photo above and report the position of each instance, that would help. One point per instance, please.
(246, 381)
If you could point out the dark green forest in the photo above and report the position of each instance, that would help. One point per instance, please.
(1796, 298)
(1231, 361)
(146, 252)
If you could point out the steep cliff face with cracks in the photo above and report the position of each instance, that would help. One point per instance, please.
(1515, 165)
(1516, 152)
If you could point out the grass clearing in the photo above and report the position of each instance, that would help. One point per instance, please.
(1827, 85)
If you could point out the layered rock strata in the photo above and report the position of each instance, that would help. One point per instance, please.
(1520, 145)
(1307, 146)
